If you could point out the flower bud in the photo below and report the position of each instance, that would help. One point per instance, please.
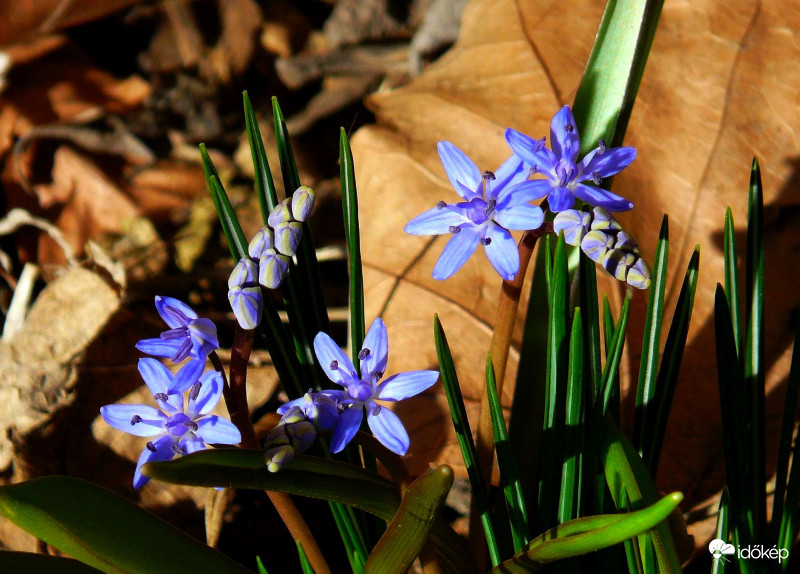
(245, 273)
(604, 221)
(278, 457)
(617, 263)
(272, 268)
(574, 223)
(302, 202)
(281, 213)
(596, 244)
(247, 304)
(639, 275)
(287, 237)
(626, 243)
(260, 242)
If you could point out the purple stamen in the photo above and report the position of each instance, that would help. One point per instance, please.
(441, 205)
(150, 446)
(489, 175)
(195, 391)
(601, 148)
(160, 396)
(454, 229)
(569, 128)
(596, 177)
(334, 366)
(135, 419)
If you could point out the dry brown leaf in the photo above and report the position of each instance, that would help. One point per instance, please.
(721, 85)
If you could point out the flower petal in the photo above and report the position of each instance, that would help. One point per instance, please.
(524, 192)
(121, 416)
(158, 347)
(564, 137)
(602, 198)
(204, 337)
(459, 168)
(163, 451)
(334, 362)
(512, 172)
(531, 151)
(346, 428)
(560, 199)
(608, 163)
(389, 430)
(175, 313)
(210, 393)
(217, 430)
(404, 385)
(502, 251)
(520, 217)
(436, 221)
(460, 247)
(156, 375)
(377, 341)
(192, 444)
(187, 376)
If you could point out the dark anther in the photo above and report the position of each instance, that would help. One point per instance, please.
(601, 148)
(441, 205)
(178, 449)
(160, 397)
(489, 175)
(192, 425)
(151, 447)
(194, 392)
(334, 365)
(489, 207)
(363, 354)
(533, 170)
(454, 229)
(569, 128)
(135, 419)
(376, 375)
(486, 240)
(596, 177)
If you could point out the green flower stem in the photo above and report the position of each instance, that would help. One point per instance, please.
(507, 306)
(235, 395)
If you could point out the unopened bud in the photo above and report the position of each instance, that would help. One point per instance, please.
(244, 273)
(596, 244)
(260, 242)
(604, 221)
(302, 202)
(272, 268)
(281, 213)
(247, 304)
(574, 223)
(287, 237)
(639, 275)
(278, 457)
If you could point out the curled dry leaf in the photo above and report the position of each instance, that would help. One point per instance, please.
(717, 90)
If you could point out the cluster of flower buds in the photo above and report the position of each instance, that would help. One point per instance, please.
(301, 420)
(269, 254)
(602, 239)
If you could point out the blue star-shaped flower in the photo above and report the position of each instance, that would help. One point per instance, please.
(361, 391)
(187, 336)
(493, 204)
(564, 174)
(178, 428)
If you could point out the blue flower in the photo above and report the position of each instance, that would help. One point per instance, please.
(176, 428)
(493, 204)
(361, 391)
(187, 336)
(564, 174)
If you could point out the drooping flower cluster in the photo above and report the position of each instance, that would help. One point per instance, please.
(601, 238)
(270, 252)
(342, 411)
(495, 203)
(181, 424)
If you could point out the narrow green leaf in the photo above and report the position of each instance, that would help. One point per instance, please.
(569, 504)
(305, 565)
(611, 370)
(31, 563)
(721, 531)
(104, 530)
(461, 424)
(227, 217)
(260, 565)
(590, 316)
(409, 529)
(732, 277)
(631, 486)
(352, 234)
(607, 91)
(670, 365)
(509, 478)
(585, 535)
(754, 365)
(265, 186)
(651, 340)
(304, 476)
(555, 394)
(791, 512)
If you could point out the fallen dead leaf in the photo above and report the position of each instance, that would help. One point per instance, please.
(721, 85)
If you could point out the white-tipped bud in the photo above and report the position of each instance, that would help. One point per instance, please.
(303, 202)
(639, 275)
(260, 242)
(626, 243)
(272, 269)
(247, 304)
(278, 457)
(245, 272)
(574, 224)
(287, 237)
(617, 263)
(281, 213)
(604, 221)
(596, 244)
